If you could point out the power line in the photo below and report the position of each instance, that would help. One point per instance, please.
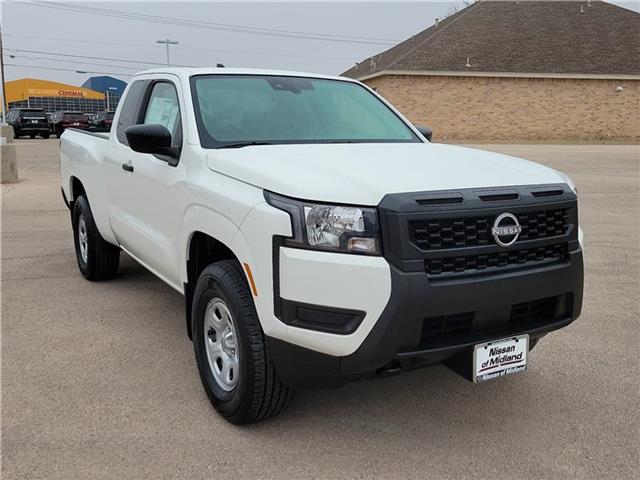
(137, 62)
(221, 26)
(182, 48)
(211, 26)
(78, 40)
(79, 62)
(38, 67)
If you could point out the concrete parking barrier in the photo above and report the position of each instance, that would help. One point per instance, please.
(8, 159)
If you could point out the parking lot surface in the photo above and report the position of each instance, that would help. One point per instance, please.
(99, 379)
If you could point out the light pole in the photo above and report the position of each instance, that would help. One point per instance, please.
(4, 95)
(167, 42)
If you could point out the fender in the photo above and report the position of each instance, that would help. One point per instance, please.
(254, 242)
(199, 218)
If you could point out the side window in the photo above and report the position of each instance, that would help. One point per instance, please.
(163, 109)
(129, 113)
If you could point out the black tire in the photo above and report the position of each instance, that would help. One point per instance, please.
(102, 258)
(258, 394)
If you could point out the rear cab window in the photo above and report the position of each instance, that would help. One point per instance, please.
(129, 111)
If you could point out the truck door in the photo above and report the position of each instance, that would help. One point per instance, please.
(145, 189)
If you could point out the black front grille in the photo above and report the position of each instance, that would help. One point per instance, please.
(459, 328)
(443, 233)
(508, 258)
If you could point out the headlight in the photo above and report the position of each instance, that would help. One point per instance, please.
(336, 228)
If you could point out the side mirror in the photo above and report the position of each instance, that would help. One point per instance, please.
(154, 139)
(426, 132)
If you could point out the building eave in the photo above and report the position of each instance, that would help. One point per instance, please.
(431, 73)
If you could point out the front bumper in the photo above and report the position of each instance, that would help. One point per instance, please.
(397, 340)
(443, 285)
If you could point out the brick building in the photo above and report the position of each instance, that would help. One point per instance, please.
(518, 70)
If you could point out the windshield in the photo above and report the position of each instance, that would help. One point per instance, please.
(238, 109)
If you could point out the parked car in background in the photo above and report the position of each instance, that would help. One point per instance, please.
(103, 120)
(60, 121)
(28, 121)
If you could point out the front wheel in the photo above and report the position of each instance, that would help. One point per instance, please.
(233, 361)
(97, 259)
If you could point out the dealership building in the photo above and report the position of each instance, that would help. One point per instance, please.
(529, 70)
(96, 94)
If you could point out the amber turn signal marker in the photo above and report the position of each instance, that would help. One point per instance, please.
(250, 277)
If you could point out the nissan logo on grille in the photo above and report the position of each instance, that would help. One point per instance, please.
(506, 229)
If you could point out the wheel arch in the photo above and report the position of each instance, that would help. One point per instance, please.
(202, 250)
(76, 188)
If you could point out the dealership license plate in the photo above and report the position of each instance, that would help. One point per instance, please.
(500, 357)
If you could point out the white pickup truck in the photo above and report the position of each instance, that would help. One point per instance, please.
(318, 236)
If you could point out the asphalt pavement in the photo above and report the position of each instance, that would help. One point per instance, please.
(99, 379)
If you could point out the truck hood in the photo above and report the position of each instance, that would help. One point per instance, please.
(364, 173)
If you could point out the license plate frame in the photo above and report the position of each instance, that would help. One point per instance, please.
(497, 358)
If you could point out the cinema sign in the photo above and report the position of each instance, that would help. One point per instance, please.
(41, 92)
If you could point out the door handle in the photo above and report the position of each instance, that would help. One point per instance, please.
(128, 167)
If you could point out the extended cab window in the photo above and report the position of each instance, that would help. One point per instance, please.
(163, 109)
(129, 112)
(236, 109)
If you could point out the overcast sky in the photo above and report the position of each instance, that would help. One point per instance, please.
(362, 29)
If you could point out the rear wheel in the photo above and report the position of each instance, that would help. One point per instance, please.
(234, 364)
(97, 259)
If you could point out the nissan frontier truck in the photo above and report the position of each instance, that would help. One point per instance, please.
(319, 237)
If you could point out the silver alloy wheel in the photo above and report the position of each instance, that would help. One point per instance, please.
(220, 341)
(82, 238)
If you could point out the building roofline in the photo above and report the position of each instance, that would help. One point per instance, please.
(428, 73)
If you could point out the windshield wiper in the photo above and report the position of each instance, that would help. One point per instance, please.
(244, 144)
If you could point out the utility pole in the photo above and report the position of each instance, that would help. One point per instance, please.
(4, 93)
(167, 42)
